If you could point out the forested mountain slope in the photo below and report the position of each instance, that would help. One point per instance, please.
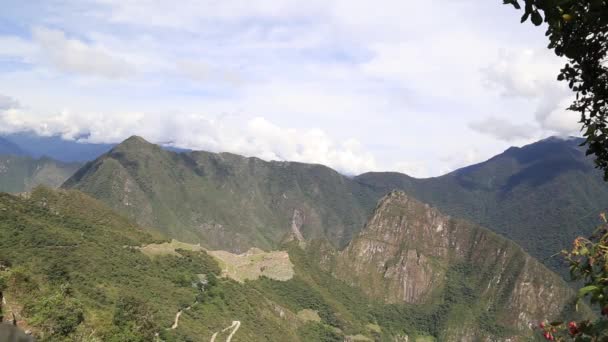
(223, 200)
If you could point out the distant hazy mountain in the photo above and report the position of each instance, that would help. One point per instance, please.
(22, 173)
(541, 195)
(57, 148)
(7, 147)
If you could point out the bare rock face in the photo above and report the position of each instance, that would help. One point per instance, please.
(296, 224)
(411, 253)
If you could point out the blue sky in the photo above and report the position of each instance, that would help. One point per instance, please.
(419, 87)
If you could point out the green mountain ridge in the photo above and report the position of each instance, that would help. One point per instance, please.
(230, 202)
(225, 201)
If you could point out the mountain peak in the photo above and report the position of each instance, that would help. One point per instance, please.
(136, 139)
(134, 143)
(395, 197)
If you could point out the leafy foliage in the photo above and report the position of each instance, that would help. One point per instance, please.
(588, 260)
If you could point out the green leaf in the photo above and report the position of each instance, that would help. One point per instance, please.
(512, 2)
(537, 19)
(585, 290)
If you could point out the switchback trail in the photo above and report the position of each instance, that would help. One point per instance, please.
(235, 327)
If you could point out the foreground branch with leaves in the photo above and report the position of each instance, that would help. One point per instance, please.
(588, 262)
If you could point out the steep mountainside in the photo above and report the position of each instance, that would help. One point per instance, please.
(473, 283)
(73, 270)
(541, 196)
(223, 200)
(21, 173)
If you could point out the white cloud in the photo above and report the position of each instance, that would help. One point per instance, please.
(504, 129)
(523, 73)
(7, 102)
(72, 55)
(258, 137)
(553, 115)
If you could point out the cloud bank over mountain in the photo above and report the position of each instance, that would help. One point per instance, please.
(316, 81)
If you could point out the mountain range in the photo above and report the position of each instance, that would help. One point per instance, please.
(380, 256)
(198, 196)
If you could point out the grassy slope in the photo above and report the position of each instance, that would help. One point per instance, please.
(541, 196)
(223, 200)
(21, 173)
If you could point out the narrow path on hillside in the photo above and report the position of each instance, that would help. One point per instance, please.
(177, 316)
(235, 327)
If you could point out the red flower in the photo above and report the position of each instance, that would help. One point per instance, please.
(573, 328)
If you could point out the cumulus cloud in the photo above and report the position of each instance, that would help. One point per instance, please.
(526, 73)
(73, 55)
(531, 75)
(553, 115)
(502, 129)
(7, 102)
(258, 137)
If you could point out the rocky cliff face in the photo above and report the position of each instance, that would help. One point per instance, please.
(483, 284)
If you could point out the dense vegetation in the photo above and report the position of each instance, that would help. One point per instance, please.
(71, 271)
